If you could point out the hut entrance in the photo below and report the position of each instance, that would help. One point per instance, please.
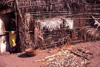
(5, 20)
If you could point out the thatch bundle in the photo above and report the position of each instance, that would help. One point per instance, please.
(6, 3)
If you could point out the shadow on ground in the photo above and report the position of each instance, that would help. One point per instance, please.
(24, 55)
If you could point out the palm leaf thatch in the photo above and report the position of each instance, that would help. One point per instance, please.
(24, 36)
(57, 4)
(42, 5)
(50, 5)
(6, 3)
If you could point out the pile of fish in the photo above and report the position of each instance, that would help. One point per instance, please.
(65, 58)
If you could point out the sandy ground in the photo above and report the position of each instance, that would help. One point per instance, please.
(22, 60)
(93, 47)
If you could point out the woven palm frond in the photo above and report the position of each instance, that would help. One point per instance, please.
(6, 3)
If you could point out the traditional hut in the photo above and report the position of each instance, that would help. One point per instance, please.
(49, 23)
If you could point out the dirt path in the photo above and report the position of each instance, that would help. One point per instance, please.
(21, 59)
(93, 47)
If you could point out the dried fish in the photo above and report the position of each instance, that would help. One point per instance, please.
(65, 58)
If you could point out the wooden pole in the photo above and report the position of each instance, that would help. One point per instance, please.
(16, 19)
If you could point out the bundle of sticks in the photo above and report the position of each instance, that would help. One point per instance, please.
(90, 34)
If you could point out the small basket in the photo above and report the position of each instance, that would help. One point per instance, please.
(32, 51)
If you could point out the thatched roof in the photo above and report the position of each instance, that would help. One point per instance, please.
(6, 3)
(45, 5)
(51, 4)
(64, 3)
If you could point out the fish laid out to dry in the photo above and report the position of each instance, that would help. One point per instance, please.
(66, 58)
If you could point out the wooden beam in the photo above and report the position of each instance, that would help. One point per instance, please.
(8, 10)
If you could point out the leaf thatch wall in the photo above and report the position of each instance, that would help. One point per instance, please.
(42, 9)
(36, 9)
